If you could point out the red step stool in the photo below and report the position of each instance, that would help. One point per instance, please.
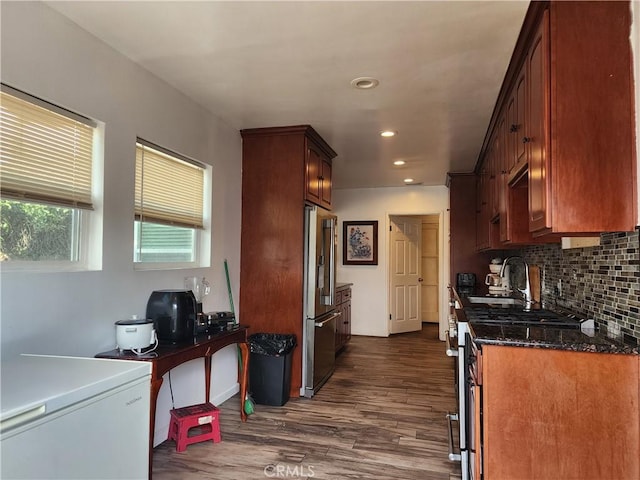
(204, 415)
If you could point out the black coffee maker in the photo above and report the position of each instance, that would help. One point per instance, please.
(465, 284)
(174, 315)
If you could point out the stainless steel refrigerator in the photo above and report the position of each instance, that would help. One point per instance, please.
(318, 347)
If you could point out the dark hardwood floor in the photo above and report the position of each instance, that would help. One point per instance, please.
(380, 416)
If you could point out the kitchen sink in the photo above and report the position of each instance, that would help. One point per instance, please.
(486, 300)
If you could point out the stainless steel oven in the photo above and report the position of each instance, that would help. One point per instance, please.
(456, 341)
(474, 407)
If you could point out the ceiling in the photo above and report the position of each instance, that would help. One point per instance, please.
(440, 65)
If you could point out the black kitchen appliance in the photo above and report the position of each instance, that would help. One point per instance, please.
(174, 315)
(465, 284)
(213, 322)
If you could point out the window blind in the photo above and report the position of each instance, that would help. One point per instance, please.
(169, 189)
(45, 156)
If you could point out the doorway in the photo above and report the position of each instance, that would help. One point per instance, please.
(414, 271)
(430, 286)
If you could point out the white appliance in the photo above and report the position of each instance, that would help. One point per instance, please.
(135, 334)
(74, 418)
(319, 329)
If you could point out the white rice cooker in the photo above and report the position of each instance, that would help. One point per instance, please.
(135, 334)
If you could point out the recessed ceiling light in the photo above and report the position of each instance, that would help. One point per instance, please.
(408, 180)
(399, 162)
(365, 83)
(388, 133)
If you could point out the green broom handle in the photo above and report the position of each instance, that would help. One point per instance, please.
(226, 272)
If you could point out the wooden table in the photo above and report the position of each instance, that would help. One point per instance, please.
(166, 357)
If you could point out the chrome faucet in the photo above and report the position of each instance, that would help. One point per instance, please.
(526, 291)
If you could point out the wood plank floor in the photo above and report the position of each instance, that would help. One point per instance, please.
(380, 416)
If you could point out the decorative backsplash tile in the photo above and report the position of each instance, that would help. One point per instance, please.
(600, 282)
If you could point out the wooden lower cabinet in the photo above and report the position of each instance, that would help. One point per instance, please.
(343, 326)
(550, 414)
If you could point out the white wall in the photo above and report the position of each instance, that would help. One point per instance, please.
(370, 304)
(48, 56)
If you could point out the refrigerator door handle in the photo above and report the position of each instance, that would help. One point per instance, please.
(328, 320)
(330, 225)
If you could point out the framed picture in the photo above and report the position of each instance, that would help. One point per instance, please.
(360, 243)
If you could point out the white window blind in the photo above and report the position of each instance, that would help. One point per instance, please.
(45, 152)
(169, 187)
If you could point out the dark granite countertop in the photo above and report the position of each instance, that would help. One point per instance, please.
(342, 286)
(546, 336)
(541, 327)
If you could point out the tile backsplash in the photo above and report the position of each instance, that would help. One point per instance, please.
(601, 282)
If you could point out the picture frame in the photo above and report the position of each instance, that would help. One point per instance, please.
(360, 242)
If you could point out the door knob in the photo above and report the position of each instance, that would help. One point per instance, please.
(420, 279)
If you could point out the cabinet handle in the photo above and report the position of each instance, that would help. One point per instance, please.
(503, 172)
(513, 128)
(526, 139)
(320, 177)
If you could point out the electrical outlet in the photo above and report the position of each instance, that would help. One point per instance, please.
(613, 330)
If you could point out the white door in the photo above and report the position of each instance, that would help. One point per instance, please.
(404, 268)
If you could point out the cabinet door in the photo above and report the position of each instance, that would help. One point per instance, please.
(495, 166)
(519, 125)
(318, 177)
(503, 177)
(483, 213)
(343, 318)
(339, 309)
(537, 136)
(325, 183)
(313, 169)
(346, 320)
(511, 126)
(575, 414)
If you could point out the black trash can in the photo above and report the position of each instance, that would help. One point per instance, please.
(270, 367)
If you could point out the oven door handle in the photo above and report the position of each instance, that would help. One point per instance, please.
(454, 457)
(451, 352)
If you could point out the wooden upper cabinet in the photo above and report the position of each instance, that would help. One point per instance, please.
(570, 122)
(327, 185)
(317, 176)
(536, 133)
(483, 217)
(518, 126)
(495, 169)
(582, 164)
